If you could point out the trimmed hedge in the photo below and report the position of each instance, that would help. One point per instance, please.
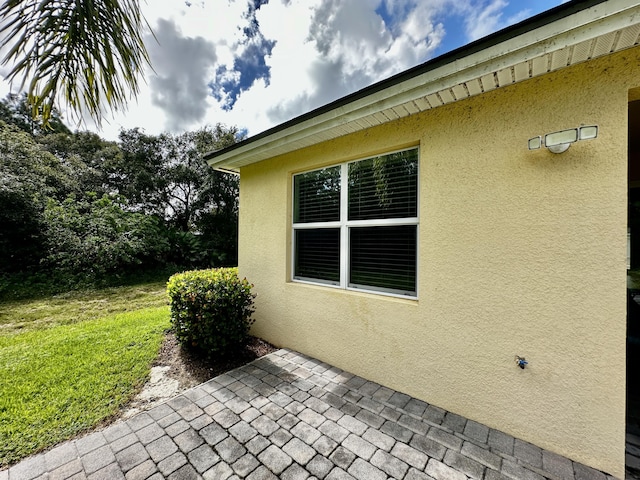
(211, 310)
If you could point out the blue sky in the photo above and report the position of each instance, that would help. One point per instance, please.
(497, 15)
(258, 63)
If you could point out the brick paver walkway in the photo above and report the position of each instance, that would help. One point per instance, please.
(292, 417)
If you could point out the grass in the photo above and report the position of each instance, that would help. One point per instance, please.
(71, 362)
(78, 306)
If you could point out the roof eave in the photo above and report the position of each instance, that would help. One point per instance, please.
(551, 30)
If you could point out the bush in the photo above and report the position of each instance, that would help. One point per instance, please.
(95, 237)
(211, 310)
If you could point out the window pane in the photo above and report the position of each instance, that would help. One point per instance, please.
(318, 254)
(384, 187)
(316, 196)
(384, 257)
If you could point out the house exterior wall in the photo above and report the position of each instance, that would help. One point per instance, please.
(520, 253)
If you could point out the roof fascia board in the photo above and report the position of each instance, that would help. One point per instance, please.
(599, 19)
(460, 72)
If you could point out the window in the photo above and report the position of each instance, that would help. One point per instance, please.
(355, 225)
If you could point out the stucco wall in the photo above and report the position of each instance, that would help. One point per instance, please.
(521, 252)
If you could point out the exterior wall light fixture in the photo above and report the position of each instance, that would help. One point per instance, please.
(558, 142)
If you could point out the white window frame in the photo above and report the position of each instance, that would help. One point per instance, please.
(345, 227)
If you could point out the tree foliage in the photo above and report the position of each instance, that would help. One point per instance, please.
(166, 176)
(75, 205)
(89, 53)
(15, 110)
(21, 238)
(96, 236)
(28, 175)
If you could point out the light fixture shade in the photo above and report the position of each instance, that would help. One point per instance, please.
(589, 132)
(563, 136)
(535, 143)
(558, 142)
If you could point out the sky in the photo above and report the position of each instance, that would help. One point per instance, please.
(257, 63)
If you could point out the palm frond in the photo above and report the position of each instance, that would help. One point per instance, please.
(88, 53)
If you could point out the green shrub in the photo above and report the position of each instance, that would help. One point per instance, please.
(211, 310)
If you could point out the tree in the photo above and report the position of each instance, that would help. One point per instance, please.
(89, 52)
(15, 110)
(137, 174)
(22, 241)
(191, 187)
(93, 236)
(37, 171)
(166, 176)
(28, 175)
(73, 205)
(202, 200)
(86, 155)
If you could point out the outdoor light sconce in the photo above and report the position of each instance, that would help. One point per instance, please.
(558, 142)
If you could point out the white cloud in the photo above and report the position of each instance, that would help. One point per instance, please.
(323, 49)
(336, 47)
(182, 67)
(484, 19)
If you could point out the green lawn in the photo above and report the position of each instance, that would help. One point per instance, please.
(75, 307)
(69, 363)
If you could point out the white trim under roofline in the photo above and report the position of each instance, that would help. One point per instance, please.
(591, 23)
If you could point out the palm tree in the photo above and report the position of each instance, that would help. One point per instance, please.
(88, 53)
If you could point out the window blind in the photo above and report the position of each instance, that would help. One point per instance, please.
(384, 187)
(383, 257)
(317, 196)
(318, 254)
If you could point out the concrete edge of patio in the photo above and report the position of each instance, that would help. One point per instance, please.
(290, 416)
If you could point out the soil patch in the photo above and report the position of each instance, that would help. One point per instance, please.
(176, 370)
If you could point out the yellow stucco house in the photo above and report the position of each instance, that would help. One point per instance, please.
(422, 232)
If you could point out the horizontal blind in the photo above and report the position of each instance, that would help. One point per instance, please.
(317, 254)
(384, 257)
(384, 187)
(317, 196)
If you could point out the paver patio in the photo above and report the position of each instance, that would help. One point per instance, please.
(292, 417)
